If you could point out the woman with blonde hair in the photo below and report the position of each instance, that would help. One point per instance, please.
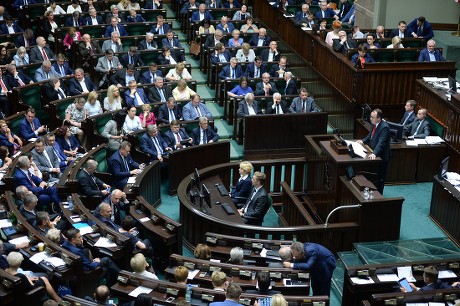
(71, 36)
(278, 300)
(147, 117)
(21, 57)
(179, 73)
(334, 34)
(113, 100)
(139, 265)
(245, 54)
(92, 105)
(202, 251)
(240, 193)
(395, 43)
(236, 40)
(182, 91)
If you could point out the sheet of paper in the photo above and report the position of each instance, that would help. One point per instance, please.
(55, 261)
(435, 304)
(430, 79)
(263, 253)
(5, 223)
(358, 148)
(131, 180)
(411, 143)
(192, 274)
(388, 277)
(105, 243)
(406, 272)
(418, 304)
(145, 219)
(139, 290)
(361, 281)
(19, 240)
(434, 139)
(446, 274)
(420, 141)
(75, 219)
(38, 257)
(453, 176)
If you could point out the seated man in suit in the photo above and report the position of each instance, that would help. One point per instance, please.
(345, 7)
(212, 40)
(248, 107)
(150, 75)
(27, 39)
(5, 90)
(64, 160)
(46, 160)
(169, 112)
(46, 195)
(87, 48)
(115, 27)
(225, 26)
(171, 41)
(53, 90)
(131, 57)
(10, 26)
(430, 54)
(203, 134)
(153, 5)
(41, 51)
(114, 12)
(90, 185)
(220, 54)
(240, 193)
(256, 68)
(74, 244)
(260, 39)
(105, 64)
(232, 70)
(122, 166)
(409, 114)
(27, 209)
(401, 31)
(61, 67)
(278, 70)
(45, 72)
(430, 277)
(160, 27)
(153, 144)
(159, 92)
(232, 296)
(123, 77)
(325, 12)
(148, 43)
(135, 96)
(420, 28)
(76, 20)
(263, 282)
(271, 54)
(258, 203)
(291, 84)
(119, 205)
(265, 87)
(303, 103)
(301, 16)
(201, 14)
(343, 43)
(419, 128)
(195, 109)
(93, 18)
(176, 137)
(80, 83)
(277, 106)
(113, 43)
(16, 78)
(30, 126)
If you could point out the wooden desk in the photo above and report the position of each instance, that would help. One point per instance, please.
(147, 185)
(445, 208)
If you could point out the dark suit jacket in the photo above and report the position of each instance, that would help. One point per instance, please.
(148, 146)
(236, 4)
(241, 190)
(110, 29)
(257, 207)
(87, 263)
(329, 13)
(283, 104)
(196, 16)
(20, 41)
(143, 45)
(25, 130)
(84, 52)
(425, 56)
(410, 119)
(108, 16)
(75, 87)
(30, 217)
(260, 89)
(273, 71)
(438, 285)
(176, 42)
(74, 143)
(130, 101)
(215, 58)
(69, 21)
(165, 27)
(146, 78)
(426, 33)
(149, 5)
(210, 135)
(297, 104)
(21, 178)
(291, 88)
(136, 59)
(336, 44)
(243, 110)
(163, 113)
(380, 143)
(251, 68)
(119, 77)
(16, 28)
(154, 95)
(137, 18)
(119, 172)
(210, 41)
(176, 55)
(89, 21)
(186, 7)
(67, 69)
(170, 138)
(226, 72)
(395, 32)
(264, 55)
(423, 130)
(88, 186)
(36, 56)
(344, 9)
(255, 39)
(108, 222)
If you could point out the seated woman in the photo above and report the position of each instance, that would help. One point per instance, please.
(240, 90)
(139, 265)
(21, 57)
(334, 34)
(132, 122)
(181, 274)
(28, 283)
(245, 54)
(74, 115)
(182, 91)
(202, 251)
(249, 26)
(395, 43)
(236, 40)
(8, 139)
(68, 143)
(113, 100)
(362, 57)
(71, 36)
(206, 27)
(371, 44)
(178, 73)
(5, 58)
(5, 161)
(92, 105)
(113, 130)
(147, 117)
(242, 189)
(128, 228)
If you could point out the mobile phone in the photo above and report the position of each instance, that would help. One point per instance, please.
(170, 299)
(202, 274)
(288, 282)
(404, 283)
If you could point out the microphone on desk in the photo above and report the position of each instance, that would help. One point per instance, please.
(341, 141)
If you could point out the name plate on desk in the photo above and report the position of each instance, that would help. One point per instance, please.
(339, 148)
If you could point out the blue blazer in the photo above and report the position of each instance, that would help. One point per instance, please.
(189, 112)
(251, 69)
(137, 18)
(165, 27)
(108, 222)
(148, 146)
(426, 33)
(16, 28)
(19, 3)
(118, 170)
(25, 130)
(380, 143)
(196, 16)
(242, 190)
(121, 30)
(176, 42)
(89, 21)
(69, 21)
(75, 87)
(410, 119)
(215, 58)
(87, 264)
(74, 143)
(170, 138)
(255, 39)
(230, 27)
(226, 72)
(124, 60)
(210, 135)
(319, 260)
(329, 13)
(146, 76)
(425, 56)
(130, 101)
(22, 179)
(149, 5)
(67, 69)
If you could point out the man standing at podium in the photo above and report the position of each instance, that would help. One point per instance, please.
(379, 141)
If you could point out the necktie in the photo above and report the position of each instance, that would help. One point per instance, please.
(45, 57)
(171, 115)
(266, 91)
(131, 61)
(157, 144)
(62, 70)
(256, 74)
(419, 31)
(32, 125)
(406, 115)
(178, 139)
(233, 73)
(162, 96)
(373, 131)
(126, 164)
(160, 31)
(203, 137)
(277, 108)
(4, 89)
(75, 24)
(26, 2)
(115, 29)
(30, 179)
(197, 109)
(91, 52)
(303, 107)
(110, 64)
(249, 201)
(61, 93)
(416, 131)
(171, 43)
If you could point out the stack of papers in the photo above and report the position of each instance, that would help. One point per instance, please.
(105, 243)
(434, 140)
(446, 274)
(139, 290)
(361, 281)
(407, 273)
(42, 256)
(5, 223)
(131, 180)
(388, 277)
(83, 227)
(19, 240)
(358, 148)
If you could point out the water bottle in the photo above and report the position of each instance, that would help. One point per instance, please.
(366, 193)
(371, 195)
(188, 294)
(70, 202)
(294, 238)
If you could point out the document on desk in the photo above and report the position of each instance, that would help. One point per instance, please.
(19, 240)
(434, 140)
(5, 223)
(192, 274)
(415, 142)
(131, 180)
(139, 290)
(407, 273)
(361, 281)
(105, 243)
(446, 274)
(388, 277)
(38, 257)
(430, 79)
(358, 148)
(418, 304)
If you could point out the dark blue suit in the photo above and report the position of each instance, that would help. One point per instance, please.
(251, 68)
(241, 190)
(147, 77)
(438, 285)
(119, 171)
(69, 22)
(171, 140)
(137, 18)
(163, 114)
(108, 222)
(426, 32)
(25, 129)
(321, 262)
(410, 118)
(196, 16)
(176, 42)
(74, 143)
(121, 30)
(148, 146)
(226, 72)
(149, 5)
(256, 207)
(67, 69)
(89, 21)
(425, 56)
(130, 101)
(16, 28)
(328, 13)
(255, 39)
(165, 27)
(19, 3)
(45, 196)
(87, 264)
(75, 87)
(215, 58)
(210, 135)
(136, 60)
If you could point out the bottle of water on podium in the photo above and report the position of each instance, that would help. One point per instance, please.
(70, 202)
(366, 193)
(188, 293)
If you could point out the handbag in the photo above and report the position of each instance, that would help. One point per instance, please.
(195, 48)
